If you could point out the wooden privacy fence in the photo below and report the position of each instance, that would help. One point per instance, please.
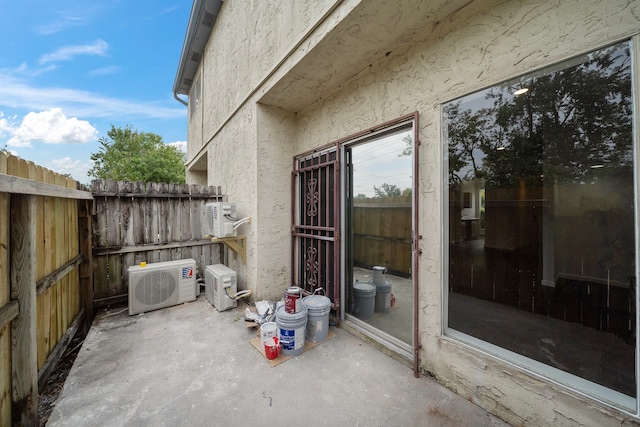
(45, 279)
(382, 234)
(150, 222)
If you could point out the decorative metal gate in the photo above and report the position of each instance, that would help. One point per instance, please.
(316, 223)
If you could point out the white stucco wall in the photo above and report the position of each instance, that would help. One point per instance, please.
(248, 41)
(480, 45)
(248, 149)
(457, 51)
(273, 244)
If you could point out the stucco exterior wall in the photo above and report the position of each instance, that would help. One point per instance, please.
(467, 45)
(245, 46)
(248, 148)
(478, 46)
(232, 157)
(273, 244)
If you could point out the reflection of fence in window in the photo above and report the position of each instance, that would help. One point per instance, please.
(513, 278)
(382, 235)
(557, 166)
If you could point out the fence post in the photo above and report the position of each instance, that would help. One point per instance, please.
(22, 261)
(85, 235)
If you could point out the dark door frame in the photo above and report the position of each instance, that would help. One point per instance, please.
(307, 234)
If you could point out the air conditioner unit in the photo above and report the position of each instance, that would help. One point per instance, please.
(220, 285)
(220, 219)
(161, 284)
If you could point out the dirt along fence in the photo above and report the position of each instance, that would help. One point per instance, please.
(146, 222)
(45, 279)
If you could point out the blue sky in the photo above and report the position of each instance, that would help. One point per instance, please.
(70, 69)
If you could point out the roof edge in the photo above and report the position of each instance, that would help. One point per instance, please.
(204, 14)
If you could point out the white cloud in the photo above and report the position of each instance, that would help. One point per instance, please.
(52, 127)
(7, 124)
(25, 70)
(180, 145)
(105, 71)
(66, 53)
(75, 168)
(15, 93)
(65, 20)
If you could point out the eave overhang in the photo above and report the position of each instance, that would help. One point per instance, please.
(203, 17)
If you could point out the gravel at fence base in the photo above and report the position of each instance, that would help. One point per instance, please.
(47, 399)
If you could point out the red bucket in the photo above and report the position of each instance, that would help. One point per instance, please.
(272, 348)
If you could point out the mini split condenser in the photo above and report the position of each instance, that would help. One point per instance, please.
(161, 284)
(220, 286)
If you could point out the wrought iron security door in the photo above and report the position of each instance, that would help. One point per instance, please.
(316, 223)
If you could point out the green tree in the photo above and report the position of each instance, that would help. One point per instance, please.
(570, 121)
(129, 155)
(387, 190)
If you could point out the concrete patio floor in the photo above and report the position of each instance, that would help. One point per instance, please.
(190, 365)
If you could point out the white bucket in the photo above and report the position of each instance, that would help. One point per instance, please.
(291, 330)
(318, 307)
(379, 274)
(268, 330)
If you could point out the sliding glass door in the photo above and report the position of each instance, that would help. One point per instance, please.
(378, 218)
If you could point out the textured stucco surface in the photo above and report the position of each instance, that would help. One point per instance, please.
(462, 46)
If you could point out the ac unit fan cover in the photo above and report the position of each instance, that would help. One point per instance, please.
(155, 288)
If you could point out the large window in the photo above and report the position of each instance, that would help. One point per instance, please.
(541, 239)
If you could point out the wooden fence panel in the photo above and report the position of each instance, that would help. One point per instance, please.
(382, 236)
(5, 332)
(52, 280)
(151, 222)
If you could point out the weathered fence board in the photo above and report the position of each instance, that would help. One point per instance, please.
(5, 330)
(24, 366)
(150, 222)
(43, 281)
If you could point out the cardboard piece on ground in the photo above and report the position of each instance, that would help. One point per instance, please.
(250, 323)
(308, 345)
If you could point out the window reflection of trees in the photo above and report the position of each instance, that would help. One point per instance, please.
(568, 122)
(555, 166)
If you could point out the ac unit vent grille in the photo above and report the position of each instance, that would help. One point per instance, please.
(155, 288)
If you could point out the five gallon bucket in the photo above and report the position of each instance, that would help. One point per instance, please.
(383, 296)
(363, 300)
(379, 274)
(318, 308)
(291, 330)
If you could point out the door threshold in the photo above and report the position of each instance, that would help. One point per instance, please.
(390, 345)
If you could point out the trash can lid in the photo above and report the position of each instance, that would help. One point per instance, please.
(364, 289)
(316, 301)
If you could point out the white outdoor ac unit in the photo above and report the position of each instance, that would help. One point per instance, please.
(220, 220)
(220, 286)
(161, 284)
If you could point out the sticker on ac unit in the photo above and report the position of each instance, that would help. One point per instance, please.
(187, 272)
